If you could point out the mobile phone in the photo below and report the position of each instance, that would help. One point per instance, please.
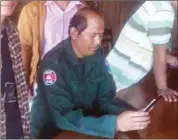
(152, 103)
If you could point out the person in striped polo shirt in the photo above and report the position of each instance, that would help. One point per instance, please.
(143, 44)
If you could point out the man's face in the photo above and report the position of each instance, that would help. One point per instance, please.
(90, 39)
(7, 8)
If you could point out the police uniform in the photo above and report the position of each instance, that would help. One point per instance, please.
(71, 89)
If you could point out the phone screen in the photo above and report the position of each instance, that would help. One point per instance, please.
(153, 102)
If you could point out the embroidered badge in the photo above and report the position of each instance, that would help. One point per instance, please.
(49, 77)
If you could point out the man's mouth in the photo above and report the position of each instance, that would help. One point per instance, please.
(93, 48)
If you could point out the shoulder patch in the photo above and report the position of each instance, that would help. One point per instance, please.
(49, 77)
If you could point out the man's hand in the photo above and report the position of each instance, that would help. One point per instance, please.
(168, 94)
(132, 120)
(172, 60)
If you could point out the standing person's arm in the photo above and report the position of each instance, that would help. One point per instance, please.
(160, 73)
(160, 65)
(25, 26)
(159, 32)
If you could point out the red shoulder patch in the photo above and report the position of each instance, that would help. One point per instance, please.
(49, 77)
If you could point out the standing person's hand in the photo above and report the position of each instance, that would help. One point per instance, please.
(160, 60)
(132, 120)
(168, 94)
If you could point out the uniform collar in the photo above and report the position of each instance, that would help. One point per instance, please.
(72, 58)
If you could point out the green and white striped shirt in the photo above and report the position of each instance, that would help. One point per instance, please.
(131, 58)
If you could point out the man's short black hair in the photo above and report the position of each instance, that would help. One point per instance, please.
(79, 20)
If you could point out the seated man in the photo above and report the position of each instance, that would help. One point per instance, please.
(74, 83)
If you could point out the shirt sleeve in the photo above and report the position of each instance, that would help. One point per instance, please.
(25, 27)
(160, 26)
(59, 100)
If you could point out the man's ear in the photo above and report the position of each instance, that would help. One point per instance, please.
(73, 33)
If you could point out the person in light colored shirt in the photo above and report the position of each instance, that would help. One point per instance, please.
(142, 45)
(42, 25)
(57, 22)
